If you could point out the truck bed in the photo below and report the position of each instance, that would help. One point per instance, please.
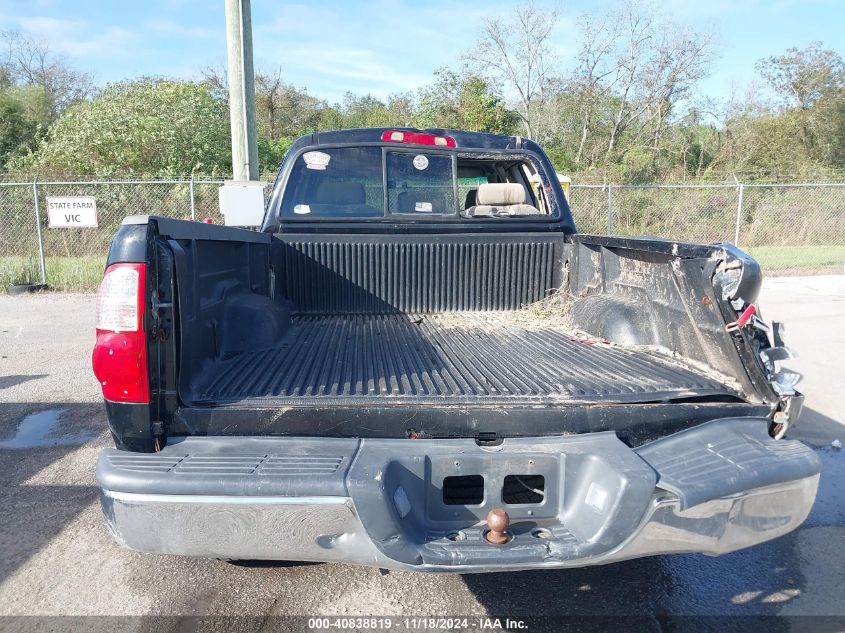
(473, 358)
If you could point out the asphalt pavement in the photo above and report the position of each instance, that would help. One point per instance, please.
(57, 558)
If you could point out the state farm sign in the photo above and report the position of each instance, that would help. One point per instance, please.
(71, 212)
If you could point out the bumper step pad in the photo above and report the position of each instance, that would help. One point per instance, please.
(725, 457)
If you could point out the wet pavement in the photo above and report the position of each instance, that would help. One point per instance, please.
(38, 430)
(58, 559)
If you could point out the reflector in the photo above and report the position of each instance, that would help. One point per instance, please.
(117, 298)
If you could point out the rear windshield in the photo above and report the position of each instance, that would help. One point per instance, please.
(372, 182)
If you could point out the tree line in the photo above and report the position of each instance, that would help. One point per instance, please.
(625, 107)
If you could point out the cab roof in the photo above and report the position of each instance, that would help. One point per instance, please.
(463, 139)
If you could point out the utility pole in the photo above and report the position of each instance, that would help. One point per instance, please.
(241, 90)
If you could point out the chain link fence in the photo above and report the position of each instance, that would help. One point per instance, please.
(73, 258)
(791, 229)
(20, 255)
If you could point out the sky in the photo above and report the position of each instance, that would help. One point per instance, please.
(381, 46)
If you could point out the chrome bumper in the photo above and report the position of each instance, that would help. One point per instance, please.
(642, 517)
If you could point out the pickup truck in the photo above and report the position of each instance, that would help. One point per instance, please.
(418, 363)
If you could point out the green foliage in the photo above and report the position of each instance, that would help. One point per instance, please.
(464, 102)
(803, 76)
(805, 131)
(18, 128)
(67, 274)
(28, 63)
(36, 103)
(771, 143)
(271, 153)
(561, 158)
(639, 165)
(799, 260)
(331, 118)
(18, 270)
(148, 127)
(365, 111)
(282, 110)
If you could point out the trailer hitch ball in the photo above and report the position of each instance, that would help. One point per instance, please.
(498, 522)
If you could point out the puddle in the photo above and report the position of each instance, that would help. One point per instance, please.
(35, 431)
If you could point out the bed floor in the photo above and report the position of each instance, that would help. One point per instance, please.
(474, 358)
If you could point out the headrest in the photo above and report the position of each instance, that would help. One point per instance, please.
(500, 194)
(341, 193)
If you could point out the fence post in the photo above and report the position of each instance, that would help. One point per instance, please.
(738, 215)
(193, 205)
(610, 209)
(38, 230)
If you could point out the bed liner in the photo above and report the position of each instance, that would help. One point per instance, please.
(474, 358)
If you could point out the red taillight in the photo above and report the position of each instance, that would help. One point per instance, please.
(417, 138)
(120, 353)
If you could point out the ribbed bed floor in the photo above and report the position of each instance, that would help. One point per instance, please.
(480, 358)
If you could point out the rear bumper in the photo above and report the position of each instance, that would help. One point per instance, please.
(719, 487)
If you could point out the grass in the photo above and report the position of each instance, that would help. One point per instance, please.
(83, 274)
(67, 274)
(799, 260)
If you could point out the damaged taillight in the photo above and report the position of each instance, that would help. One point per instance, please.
(120, 352)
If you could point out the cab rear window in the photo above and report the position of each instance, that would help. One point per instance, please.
(374, 182)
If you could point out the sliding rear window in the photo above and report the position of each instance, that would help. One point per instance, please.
(420, 184)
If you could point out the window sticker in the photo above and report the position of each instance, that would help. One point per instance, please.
(423, 207)
(316, 160)
(302, 209)
(420, 162)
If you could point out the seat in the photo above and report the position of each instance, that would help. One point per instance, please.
(501, 199)
(339, 198)
(340, 193)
